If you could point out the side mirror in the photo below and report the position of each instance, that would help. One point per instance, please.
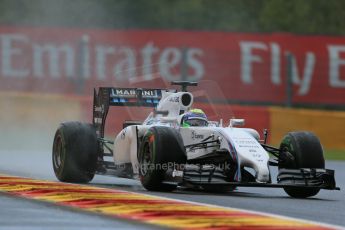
(236, 122)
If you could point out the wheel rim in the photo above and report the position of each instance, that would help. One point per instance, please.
(58, 153)
(145, 159)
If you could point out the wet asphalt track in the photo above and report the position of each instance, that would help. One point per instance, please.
(327, 206)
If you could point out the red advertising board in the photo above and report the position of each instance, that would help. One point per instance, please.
(246, 67)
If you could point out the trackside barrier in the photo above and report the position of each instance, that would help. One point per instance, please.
(329, 126)
(29, 120)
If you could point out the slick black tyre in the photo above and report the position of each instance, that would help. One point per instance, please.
(160, 148)
(75, 151)
(307, 151)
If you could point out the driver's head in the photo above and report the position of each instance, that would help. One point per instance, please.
(194, 117)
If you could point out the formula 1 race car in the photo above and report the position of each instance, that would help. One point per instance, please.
(177, 146)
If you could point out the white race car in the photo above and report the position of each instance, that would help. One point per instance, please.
(177, 146)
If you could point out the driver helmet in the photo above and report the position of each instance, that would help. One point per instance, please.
(194, 117)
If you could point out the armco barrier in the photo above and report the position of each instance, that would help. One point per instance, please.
(26, 108)
(329, 126)
(29, 120)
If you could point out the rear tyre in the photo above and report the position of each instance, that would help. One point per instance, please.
(160, 149)
(75, 151)
(307, 151)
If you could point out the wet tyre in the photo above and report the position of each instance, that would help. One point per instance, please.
(160, 149)
(75, 151)
(307, 151)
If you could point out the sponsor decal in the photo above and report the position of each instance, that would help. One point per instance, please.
(128, 93)
(197, 136)
(99, 109)
(174, 99)
(148, 93)
(123, 93)
(243, 143)
(98, 120)
(177, 173)
(123, 134)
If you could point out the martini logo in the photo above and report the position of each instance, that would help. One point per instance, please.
(146, 93)
(149, 93)
(123, 92)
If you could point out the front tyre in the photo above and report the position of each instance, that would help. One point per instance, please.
(75, 150)
(307, 151)
(160, 150)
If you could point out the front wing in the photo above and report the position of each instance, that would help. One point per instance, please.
(287, 178)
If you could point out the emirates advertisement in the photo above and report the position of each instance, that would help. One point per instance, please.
(247, 67)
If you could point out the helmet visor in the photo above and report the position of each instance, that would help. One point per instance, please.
(196, 121)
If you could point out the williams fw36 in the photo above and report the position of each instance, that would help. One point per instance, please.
(176, 145)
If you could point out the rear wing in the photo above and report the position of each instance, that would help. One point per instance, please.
(107, 96)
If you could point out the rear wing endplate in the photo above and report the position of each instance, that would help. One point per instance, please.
(107, 96)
